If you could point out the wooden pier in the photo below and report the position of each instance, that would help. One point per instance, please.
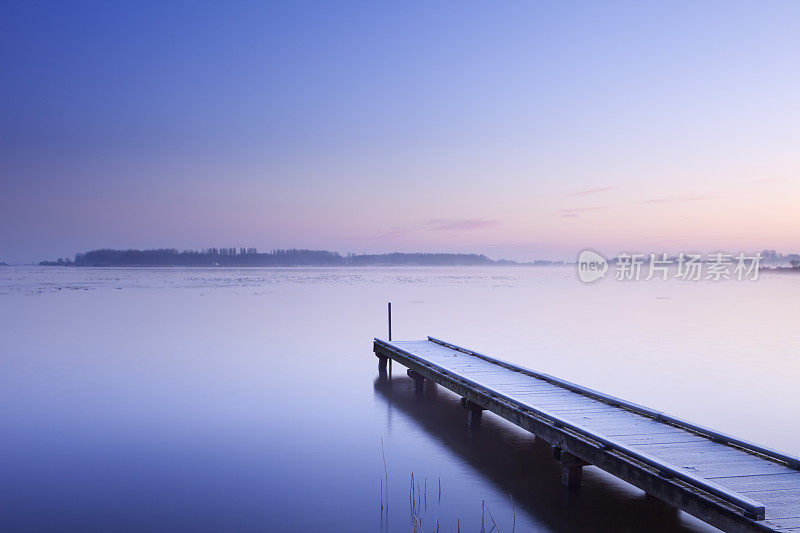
(727, 482)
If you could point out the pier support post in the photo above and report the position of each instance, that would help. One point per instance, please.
(571, 470)
(474, 413)
(382, 375)
(418, 381)
(555, 451)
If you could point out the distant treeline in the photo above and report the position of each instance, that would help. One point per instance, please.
(773, 257)
(252, 257)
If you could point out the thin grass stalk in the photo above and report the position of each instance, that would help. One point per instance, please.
(514, 511)
(411, 492)
(493, 521)
(386, 476)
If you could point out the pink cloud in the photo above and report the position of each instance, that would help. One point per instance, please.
(590, 191)
(466, 224)
(437, 225)
(677, 199)
(575, 211)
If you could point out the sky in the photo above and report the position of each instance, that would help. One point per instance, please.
(522, 130)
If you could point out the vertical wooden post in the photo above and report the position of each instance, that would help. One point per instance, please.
(418, 381)
(390, 335)
(571, 469)
(474, 413)
(474, 418)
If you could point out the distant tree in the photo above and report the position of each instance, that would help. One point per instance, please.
(770, 256)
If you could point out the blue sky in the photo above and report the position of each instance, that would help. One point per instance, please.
(520, 130)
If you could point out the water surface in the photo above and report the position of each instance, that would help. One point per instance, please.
(249, 399)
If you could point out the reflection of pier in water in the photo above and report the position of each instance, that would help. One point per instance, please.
(516, 463)
(725, 481)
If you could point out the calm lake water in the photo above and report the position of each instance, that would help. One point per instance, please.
(249, 399)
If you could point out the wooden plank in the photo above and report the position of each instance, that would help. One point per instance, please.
(785, 524)
(706, 449)
(622, 414)
(763, 482)
(547, 398)
(720, 469)
(622, 426)
(582, 410)
(523, 388)
(661, 438)
(552, 404)
(780, 501)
